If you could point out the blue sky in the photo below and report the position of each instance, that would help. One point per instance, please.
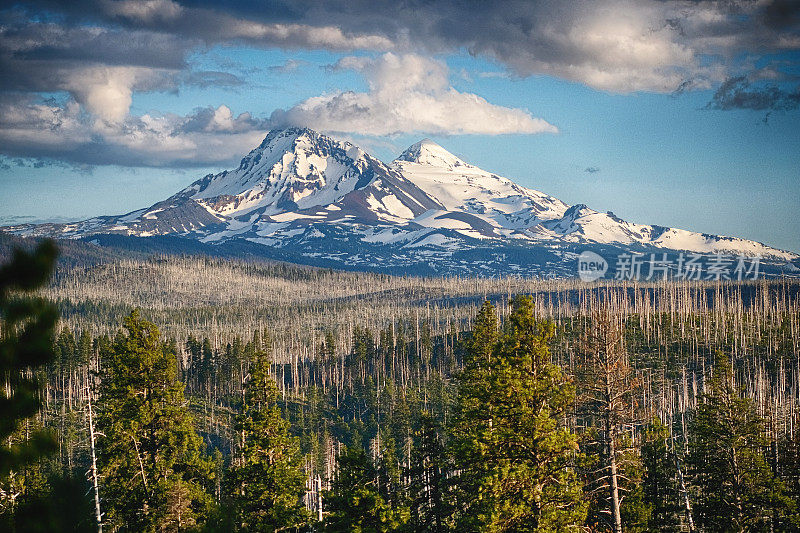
(721, 155)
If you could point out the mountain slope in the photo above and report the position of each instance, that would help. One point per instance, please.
(317, 199)
(515, 211)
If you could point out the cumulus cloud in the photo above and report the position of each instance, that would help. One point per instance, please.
(407, 93)
(280, 24)
(48, 131)
(100, 68)
(106, 92)
(615, 45)
(101, 52)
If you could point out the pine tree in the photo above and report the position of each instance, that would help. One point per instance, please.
(736, 489)
(660, 483)
(389, 473)
(513, 456)
(355, 503)
(266, 480)
(607, 384)
(429, 508)
(152, 472)
(473, 420)
(27, 329)
(789, 468)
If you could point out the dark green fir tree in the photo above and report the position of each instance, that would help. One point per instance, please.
(153, 475)
(266, 481)
(736, 490)
(513, 456)
(355, 503)
(27, 330)
(660, 483)
(429, 506)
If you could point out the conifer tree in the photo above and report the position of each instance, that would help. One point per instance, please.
(474, 417)
(355, 503)
(660, 483)
(31, 498)
(736, 489)
(788, 466)
(266, 480)
(607, 383)
(152, 472)
(429, 509)
(27, 329)
(513, 457)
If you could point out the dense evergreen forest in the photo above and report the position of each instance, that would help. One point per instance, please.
(208, 395)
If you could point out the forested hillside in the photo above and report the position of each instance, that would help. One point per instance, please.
(258, 397)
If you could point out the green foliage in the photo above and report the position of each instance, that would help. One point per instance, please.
(660, 483)
(515, 459)
(27, 325)
(788, 467)
(428, 484)
(152, 471)
(354, 503)
(635, 508)
(501, 460)
(266, 480)
(736, 489)
(59, 505)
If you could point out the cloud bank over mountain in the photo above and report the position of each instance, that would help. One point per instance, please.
(408, 93)
(97, 54)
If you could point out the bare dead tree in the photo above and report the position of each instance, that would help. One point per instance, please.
(93, 470)
(608, 384)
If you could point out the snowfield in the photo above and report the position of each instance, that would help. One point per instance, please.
(304, 191)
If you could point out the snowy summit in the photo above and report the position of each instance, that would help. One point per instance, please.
(302, 191)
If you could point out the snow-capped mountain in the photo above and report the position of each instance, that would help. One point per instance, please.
(310, 198)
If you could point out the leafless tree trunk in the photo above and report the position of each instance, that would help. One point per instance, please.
(95, 484)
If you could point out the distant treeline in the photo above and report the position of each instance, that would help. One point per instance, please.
(346, 402)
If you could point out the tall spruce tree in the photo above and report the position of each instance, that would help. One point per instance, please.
(788, 466)
(34, 496)
(736, 489)
(152, 472)
(266, 480)
(513, 456)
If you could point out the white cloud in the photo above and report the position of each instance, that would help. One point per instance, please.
(408, 94)
(65, 133)
(304, 36)
(613, 45)
(217, 26)
(101, 52)
(106, 92)
(147, 11)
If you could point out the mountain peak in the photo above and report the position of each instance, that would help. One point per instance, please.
(427, 152)
(277, 140)
(293, 168)
(324, 199)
